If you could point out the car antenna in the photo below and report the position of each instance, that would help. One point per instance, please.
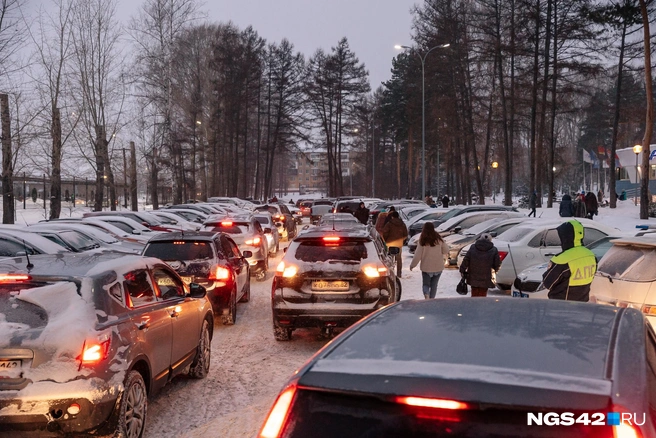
(27, 256)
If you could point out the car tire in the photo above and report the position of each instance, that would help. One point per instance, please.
(247, 292)
(133, 407)
(398, 291)
(282, 334)
(201, 364)
(231, 317)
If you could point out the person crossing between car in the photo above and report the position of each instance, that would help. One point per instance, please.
(432, 252)
(394, 234)
(481, 258)
(571, 272)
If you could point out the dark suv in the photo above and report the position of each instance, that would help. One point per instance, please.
(87, 338)
(212, 260)
(331, 278)
(248, 234)
(283, 218)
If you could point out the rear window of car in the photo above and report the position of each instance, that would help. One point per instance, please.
(263, 220)
(233, 228)
(323, 414)
(514, 234)
(269, 208)
(629, 263)
(318, 251)
(180, 250)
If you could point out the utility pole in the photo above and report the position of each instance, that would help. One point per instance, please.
(7, 164)
(133, 178)
(125, 180)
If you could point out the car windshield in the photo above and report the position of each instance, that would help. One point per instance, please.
(631, 263)
(263, 220)
(482, 227)
(317, 251)
(449, 214)
(514, 234)
(179, 250)
(78, 241)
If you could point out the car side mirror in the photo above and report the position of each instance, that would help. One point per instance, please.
(136, 232)
(457, 229)
(393, 250)
(247, 254)
(493, 234)
(197, 291)
(267, 230)
(21, 254)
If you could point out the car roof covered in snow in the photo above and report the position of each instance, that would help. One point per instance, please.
(187, 235)
(321, 231)
(235, 217)
(489, 350)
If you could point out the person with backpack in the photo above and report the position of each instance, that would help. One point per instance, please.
(394, 234)
(481, 259)
(431, 254)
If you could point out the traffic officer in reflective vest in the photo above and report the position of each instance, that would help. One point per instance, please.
(570, 273)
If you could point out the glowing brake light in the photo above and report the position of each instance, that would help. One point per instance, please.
(254, 241)
(436, 403)
(649, 310)
(286, 271)
(502, 255)
(226, 224)
(10, 278)
(374, 271)
(220, 273)
(94, 352)
(332, 239)
(278, 416)
(624, 430)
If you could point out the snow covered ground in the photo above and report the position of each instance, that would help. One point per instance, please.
(249, 367)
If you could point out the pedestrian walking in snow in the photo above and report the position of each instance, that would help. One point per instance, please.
(431, 254)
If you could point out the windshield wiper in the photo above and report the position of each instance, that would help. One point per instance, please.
(605, 275)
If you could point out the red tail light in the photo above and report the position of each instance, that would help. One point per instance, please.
(502, 255)
(220, 273)
(226, 224)
(278, 415)
(286, 270)
(94, 352)
(331, 239)
(255, 241)
(13, 278)
(437, 403)
(281, 218)
(626, 431)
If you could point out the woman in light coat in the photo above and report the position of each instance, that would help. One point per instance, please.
(431, 254)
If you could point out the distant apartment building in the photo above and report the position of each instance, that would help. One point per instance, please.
(309, 171)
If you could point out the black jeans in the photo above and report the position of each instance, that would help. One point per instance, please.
(532, 212)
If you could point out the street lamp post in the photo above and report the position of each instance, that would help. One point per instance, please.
(423, 113)
(495, 165)
(636, 150)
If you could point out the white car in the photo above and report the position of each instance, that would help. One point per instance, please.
(429, 214)
(626, 276)
(536, 242)
(465, 221)
(175, 221)
(270, 231)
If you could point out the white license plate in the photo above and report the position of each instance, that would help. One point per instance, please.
(187, 280)
(330, 285)
(10, 369)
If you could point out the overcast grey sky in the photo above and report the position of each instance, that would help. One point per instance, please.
(372, 27)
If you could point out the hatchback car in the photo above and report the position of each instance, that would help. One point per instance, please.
(270, 231)
(626, 276)
(87, 338)
(72, 240)
(484, 367)
(281, 215)
(211, 260)
(339, 220)
(249, 236)
(331, 278)
(493, 227)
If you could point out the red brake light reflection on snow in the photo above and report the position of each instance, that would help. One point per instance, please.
(278, 416)
(436, 403)
(11, 278)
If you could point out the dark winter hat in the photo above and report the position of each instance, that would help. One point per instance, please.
(485, 236)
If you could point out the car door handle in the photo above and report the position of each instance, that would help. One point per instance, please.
(550, 254)
(175, 311)
(144, 324)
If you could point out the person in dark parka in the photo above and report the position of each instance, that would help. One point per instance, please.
(481, 258)
(533, 203)
(445, 201)
(362, 214)
(591, 205)
(566, 207)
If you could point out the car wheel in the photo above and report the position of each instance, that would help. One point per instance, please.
(201, 364)
(133, 407)
(247, 292)
(398, 291)
(282, 334)
(231, 317)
